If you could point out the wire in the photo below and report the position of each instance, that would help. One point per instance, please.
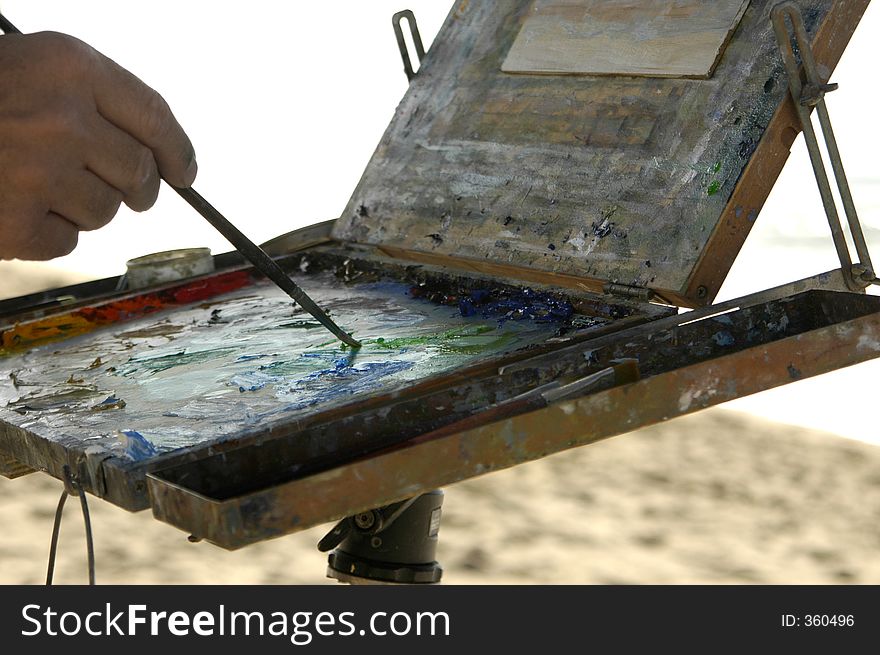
(71, 487)
(90, 545)
(53, 547)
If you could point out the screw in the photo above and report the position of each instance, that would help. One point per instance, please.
(702, 292)
(862, 272)
(375, 542)
(365, 520)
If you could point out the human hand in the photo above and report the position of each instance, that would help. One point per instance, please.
(79, 135)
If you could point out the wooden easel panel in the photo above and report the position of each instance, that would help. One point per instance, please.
(642, 181)
(654, 38)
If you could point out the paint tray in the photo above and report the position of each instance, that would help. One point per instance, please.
(514, 260)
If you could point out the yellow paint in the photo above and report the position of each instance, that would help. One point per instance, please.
(24, 335)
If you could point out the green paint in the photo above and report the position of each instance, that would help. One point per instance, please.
(465, 340)
(714, 186)
(468, 339)
(165, 362)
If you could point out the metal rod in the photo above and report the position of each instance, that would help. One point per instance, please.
(815, 81)
(265, 264)
(857, 278)
(252, 252)
(849, 206)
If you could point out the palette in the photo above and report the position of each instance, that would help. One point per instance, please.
(250, 359)
(137, 380)
(513, 260)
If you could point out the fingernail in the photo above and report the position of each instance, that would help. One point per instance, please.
(191, 171)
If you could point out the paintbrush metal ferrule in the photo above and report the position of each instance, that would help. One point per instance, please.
(262, 262)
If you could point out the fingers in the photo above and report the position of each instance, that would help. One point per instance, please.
(125, 164)
(79, 201)
(137, 109)
(78, 136)
(48, 236)
(86, 201)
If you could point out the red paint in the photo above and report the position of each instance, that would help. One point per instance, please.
(210, 287)
(86, 319)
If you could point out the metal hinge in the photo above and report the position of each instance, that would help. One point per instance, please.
(808, 90)
(627, 291)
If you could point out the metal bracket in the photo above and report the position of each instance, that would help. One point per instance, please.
(808, 91)
(401, 42)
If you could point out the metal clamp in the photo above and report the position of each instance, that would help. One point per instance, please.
(401, 42)
(808, 90)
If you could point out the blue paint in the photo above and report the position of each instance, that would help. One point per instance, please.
(522, 305)
(342, 369)
(136, 445)
(111, 402)
(298, 377)
(253, 380)
(250, 358)
(342, 380)
(723, 338)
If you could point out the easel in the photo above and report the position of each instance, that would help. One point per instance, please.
(354, 542)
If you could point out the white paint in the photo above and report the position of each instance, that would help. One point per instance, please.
(568, 408)
(686, 400)
(578, 242)
(868, 343)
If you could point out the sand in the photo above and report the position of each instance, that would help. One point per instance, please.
(717, 497)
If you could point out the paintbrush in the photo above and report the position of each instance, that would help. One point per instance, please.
(263, 263)
(251, 251)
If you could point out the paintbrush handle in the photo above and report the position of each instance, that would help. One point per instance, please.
(7, 27)
(265, 264)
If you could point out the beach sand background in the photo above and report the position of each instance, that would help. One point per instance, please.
(717, 497)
